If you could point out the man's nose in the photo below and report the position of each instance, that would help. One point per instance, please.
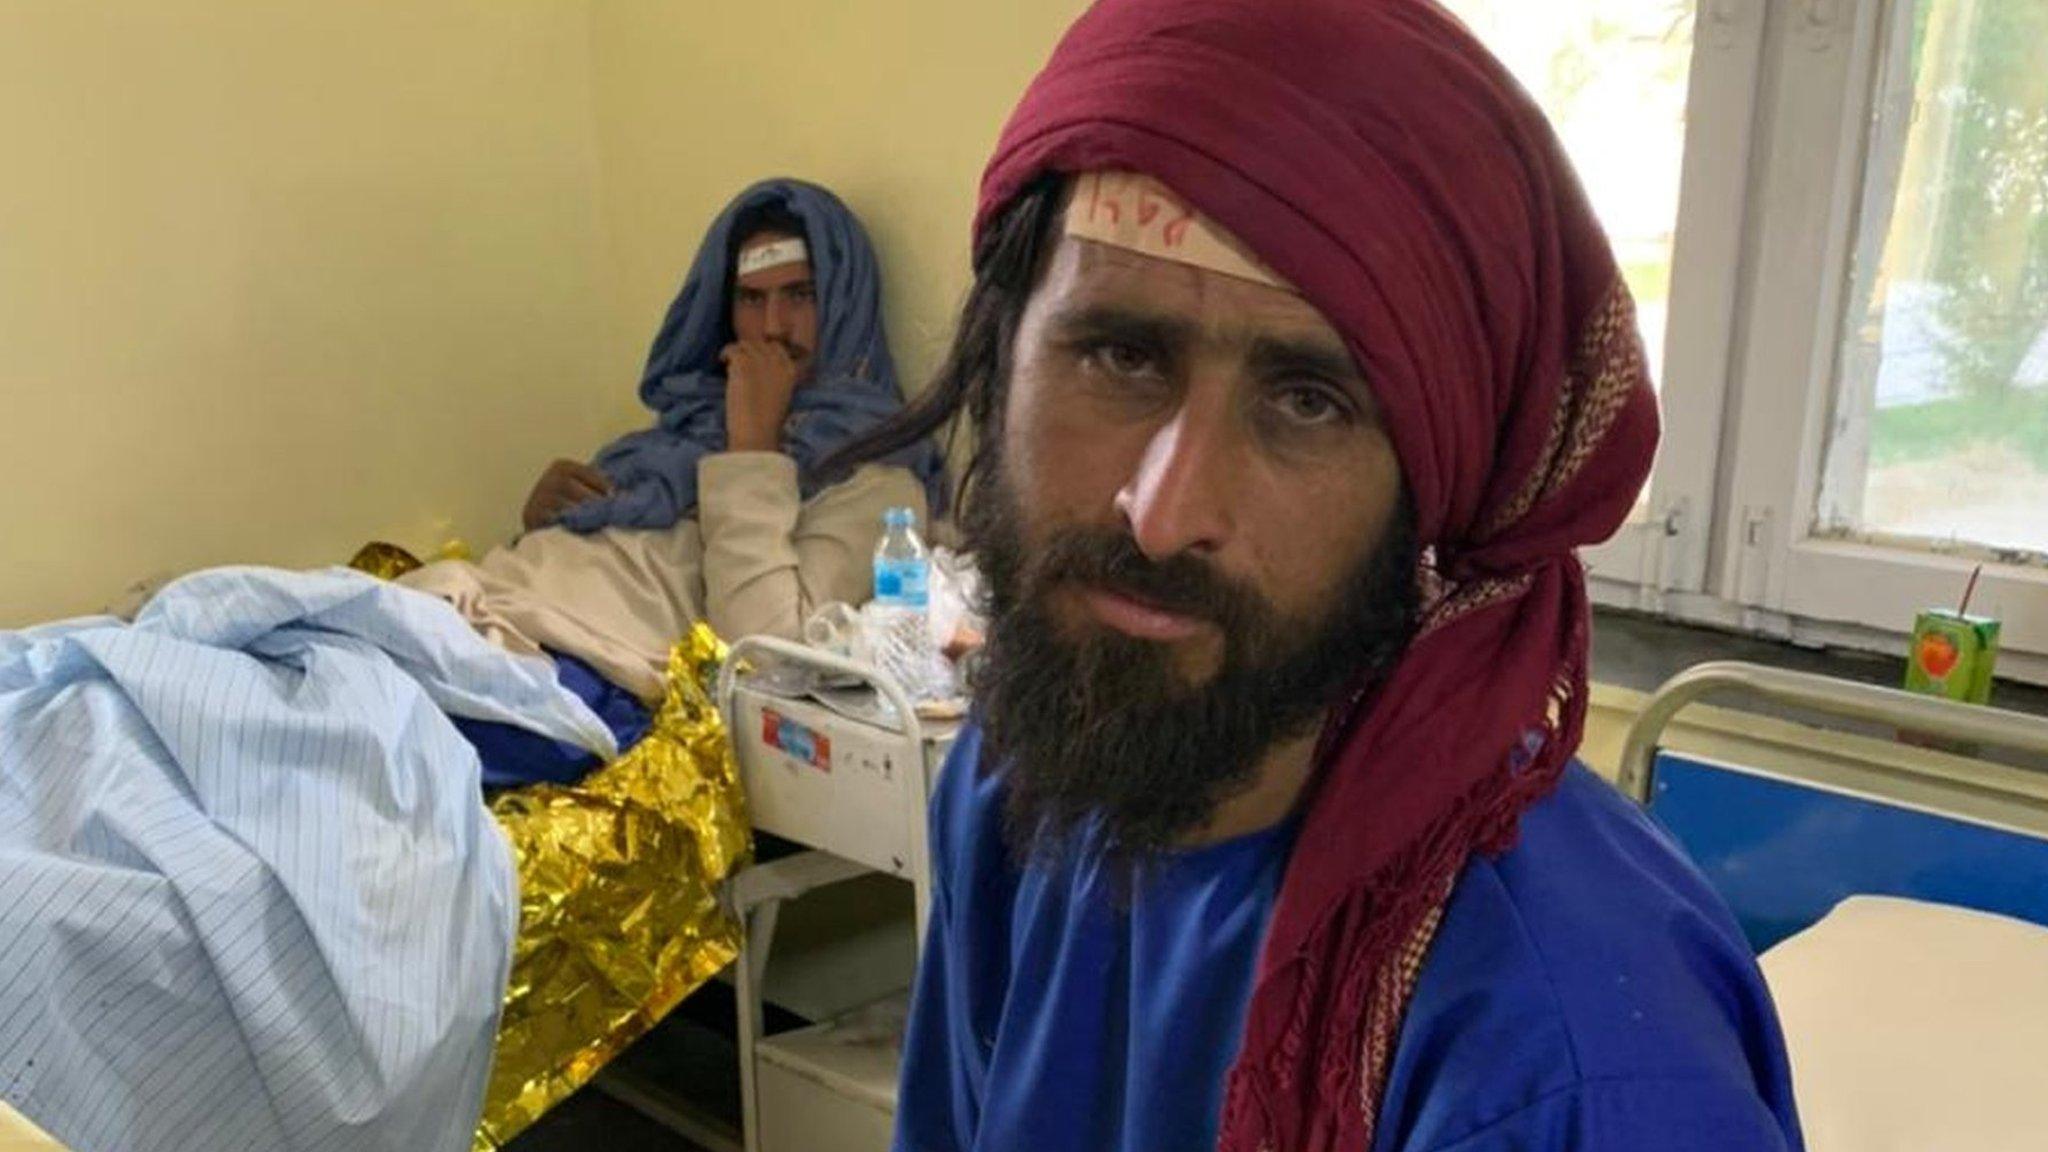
(1180, 498)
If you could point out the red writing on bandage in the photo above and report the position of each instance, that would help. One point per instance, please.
(1136, 212)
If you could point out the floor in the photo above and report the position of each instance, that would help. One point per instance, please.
(592, 1120)
(692, 1050)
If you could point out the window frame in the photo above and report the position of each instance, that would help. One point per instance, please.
(1730, 539)
(1827, 61)
(1664, 548)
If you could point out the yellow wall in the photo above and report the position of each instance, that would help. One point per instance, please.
(280, 278)
(277, 279)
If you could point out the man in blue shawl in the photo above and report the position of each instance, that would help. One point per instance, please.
(771, 358)
(775, 344)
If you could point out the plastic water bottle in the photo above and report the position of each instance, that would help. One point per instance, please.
(900, 636)
(903, 569)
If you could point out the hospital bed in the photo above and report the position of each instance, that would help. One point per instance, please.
(852, 790)
(619, 884)
(1900, 904)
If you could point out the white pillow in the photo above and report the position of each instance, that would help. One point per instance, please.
(1916, 1026)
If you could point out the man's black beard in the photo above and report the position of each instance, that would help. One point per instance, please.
(1101, 740)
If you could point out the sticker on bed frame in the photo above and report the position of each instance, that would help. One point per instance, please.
(795, 740)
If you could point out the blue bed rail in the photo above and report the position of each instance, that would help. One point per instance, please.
(1783, 850)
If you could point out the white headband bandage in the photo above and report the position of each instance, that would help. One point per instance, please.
(1137, 212)
(773, 254)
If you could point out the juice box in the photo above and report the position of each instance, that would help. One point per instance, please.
(1952, 655)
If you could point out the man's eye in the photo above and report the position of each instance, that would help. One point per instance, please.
(1308, 405)
(1121, 359)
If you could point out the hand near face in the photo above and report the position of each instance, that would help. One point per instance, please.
(565, 484)
(760, 377)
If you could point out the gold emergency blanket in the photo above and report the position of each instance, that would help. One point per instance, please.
(384, 561)
(619, 916)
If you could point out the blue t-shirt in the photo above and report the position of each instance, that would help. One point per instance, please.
(1586, 991)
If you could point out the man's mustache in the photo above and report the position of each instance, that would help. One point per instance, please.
(1182, 585)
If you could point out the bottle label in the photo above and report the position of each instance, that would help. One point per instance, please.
(902, 582)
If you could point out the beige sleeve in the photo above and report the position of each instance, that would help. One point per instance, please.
(770, 559)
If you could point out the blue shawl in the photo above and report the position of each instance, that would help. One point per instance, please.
(852, 390)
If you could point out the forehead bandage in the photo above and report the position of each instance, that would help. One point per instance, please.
(1139, 213)
(772, 255)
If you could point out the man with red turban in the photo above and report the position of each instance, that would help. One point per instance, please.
(1299, 368)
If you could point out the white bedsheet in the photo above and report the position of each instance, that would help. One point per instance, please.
(1915, 1027)
(250, 896)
